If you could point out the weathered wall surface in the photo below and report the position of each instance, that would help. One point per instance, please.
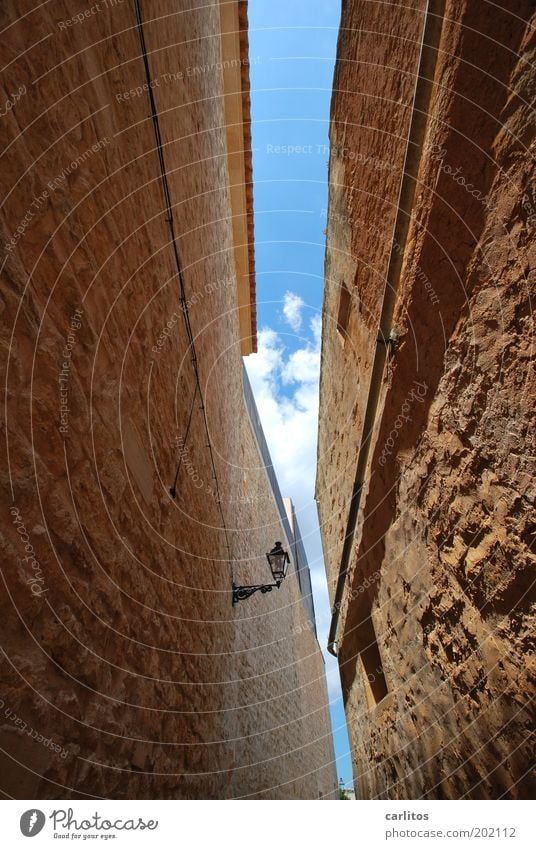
(435, 628)
(367, 136)
(122, 645)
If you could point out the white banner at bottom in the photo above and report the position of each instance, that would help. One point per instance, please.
(162, 824)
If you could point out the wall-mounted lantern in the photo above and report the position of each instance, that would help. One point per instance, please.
(279, 562)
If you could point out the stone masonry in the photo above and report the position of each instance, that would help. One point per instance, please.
(429, 267)
(126, 672)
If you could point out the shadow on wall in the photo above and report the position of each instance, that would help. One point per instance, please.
(449, 237)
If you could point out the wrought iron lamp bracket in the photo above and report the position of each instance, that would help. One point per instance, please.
(240, 593)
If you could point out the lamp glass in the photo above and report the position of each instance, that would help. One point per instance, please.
(278, 560)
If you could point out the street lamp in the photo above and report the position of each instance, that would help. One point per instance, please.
(278, 560)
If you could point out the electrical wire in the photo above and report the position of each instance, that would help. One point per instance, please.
(173, 489)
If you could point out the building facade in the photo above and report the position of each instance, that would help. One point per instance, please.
(424, 486)
(134, 487)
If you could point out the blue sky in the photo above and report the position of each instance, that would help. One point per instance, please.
(292, 49)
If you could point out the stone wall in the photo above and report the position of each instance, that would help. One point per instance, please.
(435, 620)
(121, 644)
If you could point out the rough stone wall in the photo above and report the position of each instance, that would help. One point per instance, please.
(436, 626)
(364, 179)
(120, 643)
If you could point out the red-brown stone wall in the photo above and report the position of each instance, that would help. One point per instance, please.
(446, 517)
(120, 642)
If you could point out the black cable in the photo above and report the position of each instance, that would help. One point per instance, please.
(184, 302)
(173, 489)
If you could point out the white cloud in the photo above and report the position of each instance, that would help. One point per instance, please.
(263, 367)
(292, 308)
(286, 392)
(285, 386)
(302, 367)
